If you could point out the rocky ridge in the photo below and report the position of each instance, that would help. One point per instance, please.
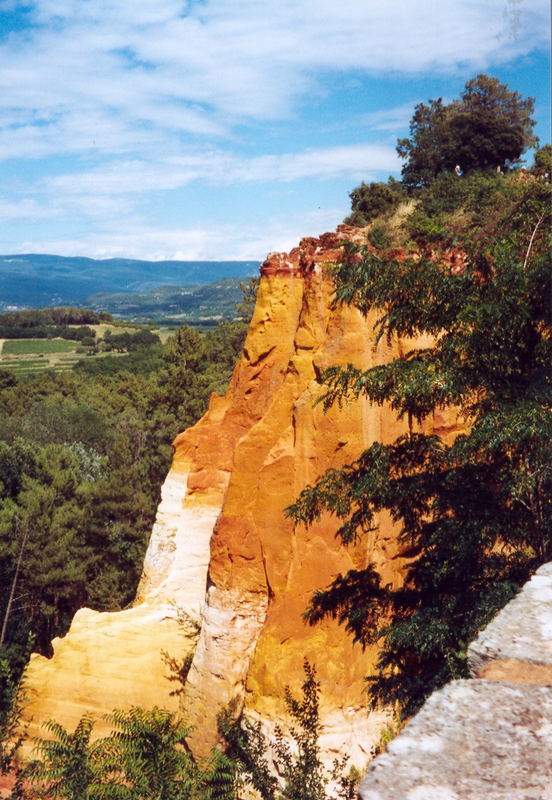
(223, 550)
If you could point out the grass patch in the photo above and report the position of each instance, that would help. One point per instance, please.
(27, 362)
(20, 347)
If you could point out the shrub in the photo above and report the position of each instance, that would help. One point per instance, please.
(369, 201)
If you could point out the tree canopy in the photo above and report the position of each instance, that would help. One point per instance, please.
(372, 200)
(488, 127)
(83, 454)
(474, 516)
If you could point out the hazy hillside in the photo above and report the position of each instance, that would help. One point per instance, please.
(181, 304)
(45, 280)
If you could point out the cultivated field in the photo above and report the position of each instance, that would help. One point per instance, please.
(29, 356)
(24, 347)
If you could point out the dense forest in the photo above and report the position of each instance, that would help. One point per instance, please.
(49, 323)
(82, 457)
(460, 254)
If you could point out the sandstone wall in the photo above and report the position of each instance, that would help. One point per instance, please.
(222, 548)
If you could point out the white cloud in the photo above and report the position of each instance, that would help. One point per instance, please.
(26, 209)
(220, 167)
(389, 119)
(250, 242)
(146, 69)
(152, 96)
(108, 203)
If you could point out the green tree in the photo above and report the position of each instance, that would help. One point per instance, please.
(246, 306)
(474, 516)
(489, 126)
(64, 420)
(301, 773)
(369, 201)
(41, 555)
(220, 778)
(542, 166)
(184, 388)
(12, 728)
(146, 757)
(66, 765)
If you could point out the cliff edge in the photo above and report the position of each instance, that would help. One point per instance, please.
(222, 548)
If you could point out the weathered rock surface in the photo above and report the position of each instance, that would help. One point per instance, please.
(489, 738)
(517, 644)
(114, 660)
(222, 546)
(472, 740)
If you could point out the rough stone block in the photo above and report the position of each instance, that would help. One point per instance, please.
(472, 740)
(517, 644)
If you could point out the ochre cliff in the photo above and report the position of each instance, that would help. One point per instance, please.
(222, 548)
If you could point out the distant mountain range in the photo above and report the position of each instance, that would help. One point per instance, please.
(38, 281)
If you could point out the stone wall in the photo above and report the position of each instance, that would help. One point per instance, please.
(488, 738)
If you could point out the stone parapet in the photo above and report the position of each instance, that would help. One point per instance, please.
(517, 644)
(472, 739)
(488, 738)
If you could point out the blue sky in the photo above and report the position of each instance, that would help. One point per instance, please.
(214, 129)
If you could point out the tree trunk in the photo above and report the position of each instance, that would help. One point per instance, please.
(13, 586)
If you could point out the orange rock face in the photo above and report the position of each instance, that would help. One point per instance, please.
(222, 547)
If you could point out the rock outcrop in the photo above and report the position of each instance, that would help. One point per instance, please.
(222, 547)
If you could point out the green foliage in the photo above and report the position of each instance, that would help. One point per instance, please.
(136, 362)
(127, 342)
(542, 166)
(246, 306)
(301, 774)
(490, 126)
(220, 779)
(189, 628)
(66, 315)
(476, 191)
(480, 198)
(82, 458)
(33, 318)
(378, 237)
(66, 766)
(12, 729)
(196, 366)
(40, 547)
(58, 421)
(475, 515)
(145, 757)
(369, 201)
(390, 732)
